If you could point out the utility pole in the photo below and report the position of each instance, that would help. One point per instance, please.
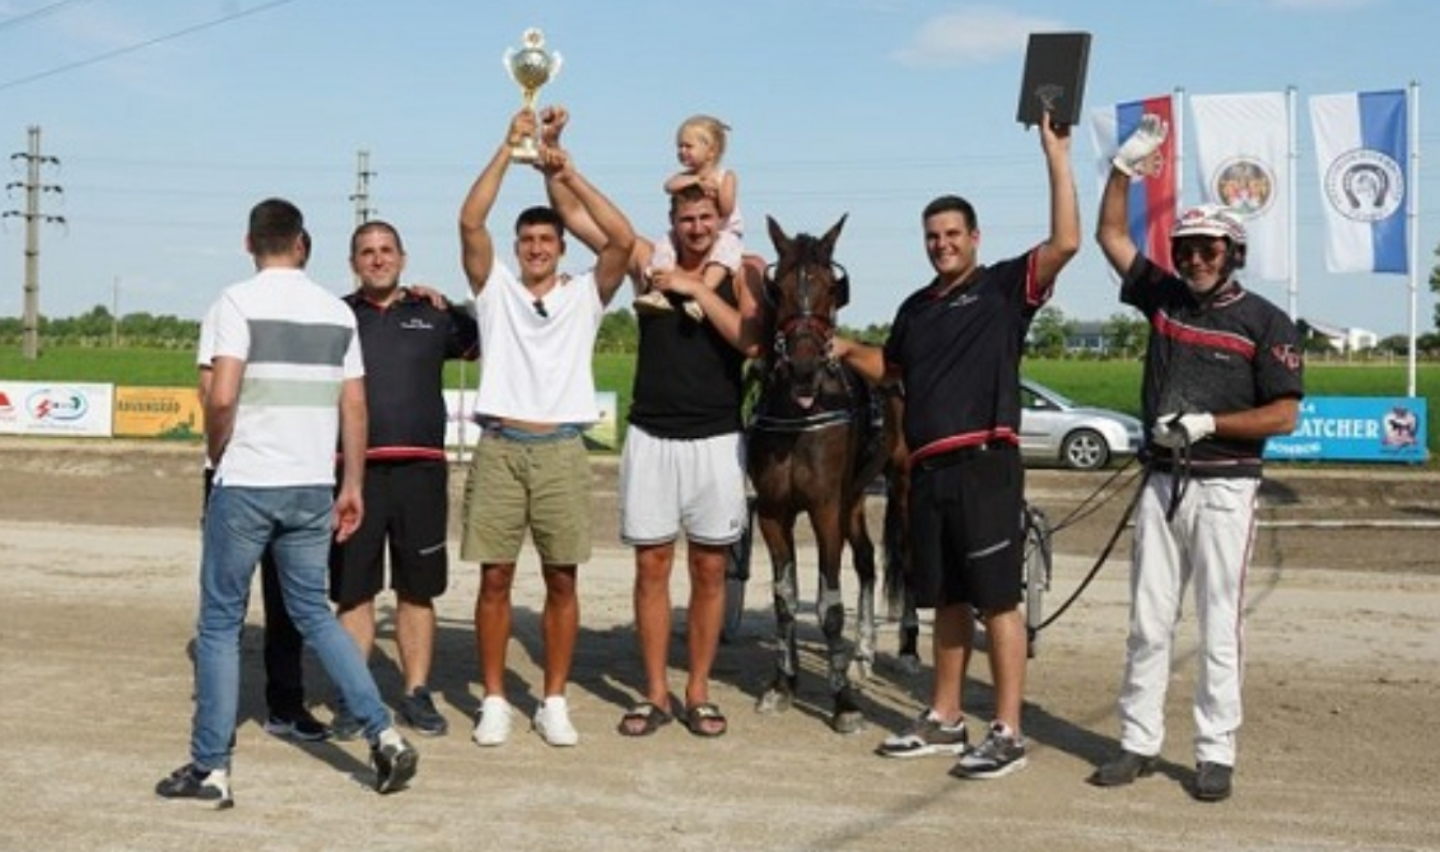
(30, 345)
(115, 315)
(361, 196)
(363, 210)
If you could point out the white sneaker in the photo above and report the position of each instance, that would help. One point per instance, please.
(493, 726)
(552, 722)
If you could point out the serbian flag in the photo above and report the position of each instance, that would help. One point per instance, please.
(1152, 200)
(1361, 150)
(1241, 145)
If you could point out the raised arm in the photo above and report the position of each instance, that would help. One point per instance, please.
(477, 248)
(1112, 229)
(1064, 240)
(1138, 157)
(615, 240)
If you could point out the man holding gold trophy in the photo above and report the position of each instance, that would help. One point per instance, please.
(536, 395)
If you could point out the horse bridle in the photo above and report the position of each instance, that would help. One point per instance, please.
(807, 321)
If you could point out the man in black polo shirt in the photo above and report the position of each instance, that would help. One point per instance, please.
(1223, 373)
(406, 339)
(955, 345)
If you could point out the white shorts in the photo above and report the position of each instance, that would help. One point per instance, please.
(667, 485)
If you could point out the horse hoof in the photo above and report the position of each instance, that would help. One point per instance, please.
(774, 701)
(910, 664)
(848, 722)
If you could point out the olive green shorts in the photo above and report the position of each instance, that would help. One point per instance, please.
(537, 483)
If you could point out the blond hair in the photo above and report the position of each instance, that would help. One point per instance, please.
(711, 127)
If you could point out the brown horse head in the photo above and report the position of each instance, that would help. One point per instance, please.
(804, 289)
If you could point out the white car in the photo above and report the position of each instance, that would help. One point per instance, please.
(1054, 430)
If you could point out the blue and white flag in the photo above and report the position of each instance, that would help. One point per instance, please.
(1241, 145)
(1361, 149)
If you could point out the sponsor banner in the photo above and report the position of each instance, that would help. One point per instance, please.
(1361, 151)
(1152, 200)
(1242, 143)
(171, 413)
(461, 430)
(55, 408)
(1356, 428)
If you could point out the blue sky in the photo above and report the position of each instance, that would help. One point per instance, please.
(172, 117)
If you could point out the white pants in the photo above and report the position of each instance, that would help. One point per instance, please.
(1208, 541)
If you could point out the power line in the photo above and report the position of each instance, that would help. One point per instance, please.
(42, 12)
(121, 51)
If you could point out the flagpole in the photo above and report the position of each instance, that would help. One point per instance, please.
(1412, 216)
(1292, 283)
(1177, 117)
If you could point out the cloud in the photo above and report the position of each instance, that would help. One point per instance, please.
(971, 35)
(1307, 5)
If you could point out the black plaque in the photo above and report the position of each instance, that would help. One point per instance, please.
(1055, 66)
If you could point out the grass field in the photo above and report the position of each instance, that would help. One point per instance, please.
(1108, 384)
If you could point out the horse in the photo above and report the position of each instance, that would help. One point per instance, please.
(814, 445)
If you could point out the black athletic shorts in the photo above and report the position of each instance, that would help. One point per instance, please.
(966, 528)
(407, 506)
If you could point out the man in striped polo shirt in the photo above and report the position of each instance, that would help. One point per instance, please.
(286, 375)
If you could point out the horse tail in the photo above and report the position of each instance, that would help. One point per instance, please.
(895, 543)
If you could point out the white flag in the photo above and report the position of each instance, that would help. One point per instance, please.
(1360, 148)
(1241, 145)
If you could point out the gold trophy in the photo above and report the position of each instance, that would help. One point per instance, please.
(532, 66)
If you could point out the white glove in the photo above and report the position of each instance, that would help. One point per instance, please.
(1140, 145)
(1174, 431)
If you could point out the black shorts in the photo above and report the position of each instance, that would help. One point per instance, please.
(407, 504)
(967, 528)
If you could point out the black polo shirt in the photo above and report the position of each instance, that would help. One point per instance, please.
(406, 345)
(958, 354)
(1232, 351)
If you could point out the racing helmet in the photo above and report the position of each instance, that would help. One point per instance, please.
(1209, 220)
(1213, 220)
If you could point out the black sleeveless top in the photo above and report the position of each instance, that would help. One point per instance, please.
(687, 377)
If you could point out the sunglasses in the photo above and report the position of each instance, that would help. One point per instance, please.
(1209, 250)
(539, 307)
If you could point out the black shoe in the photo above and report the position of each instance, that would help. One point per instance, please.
(418, 711)
(1212, 781)
(1123, 770)
(297, 725)
(344, 725)
(395, 762)
(191, 782)
(999, 754)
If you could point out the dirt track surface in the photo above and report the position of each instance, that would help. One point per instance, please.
(98, 543)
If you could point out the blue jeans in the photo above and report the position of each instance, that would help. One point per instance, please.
(296, 524)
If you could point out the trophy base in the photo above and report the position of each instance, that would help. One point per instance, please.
(526, 152)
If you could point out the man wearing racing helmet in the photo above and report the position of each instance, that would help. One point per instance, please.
(1223, 373)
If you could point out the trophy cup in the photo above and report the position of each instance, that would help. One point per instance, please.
(532, 66)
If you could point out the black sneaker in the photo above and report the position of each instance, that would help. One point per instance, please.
(344, 725)
(1001, 753)
(1212, 781)
(395, 761)
(1123, 770)
(191, 782)
(927, 735)
(296, 725)
(418, 711)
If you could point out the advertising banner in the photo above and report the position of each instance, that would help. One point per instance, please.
(55, 408)
(1356, 428)
(170, 413)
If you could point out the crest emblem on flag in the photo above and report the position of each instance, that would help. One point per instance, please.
(1245, 185)
(1364, 185)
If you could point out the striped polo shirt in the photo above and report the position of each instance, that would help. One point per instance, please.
(299, 344)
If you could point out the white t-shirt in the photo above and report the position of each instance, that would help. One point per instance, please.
(538, 356)
(299, 344)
